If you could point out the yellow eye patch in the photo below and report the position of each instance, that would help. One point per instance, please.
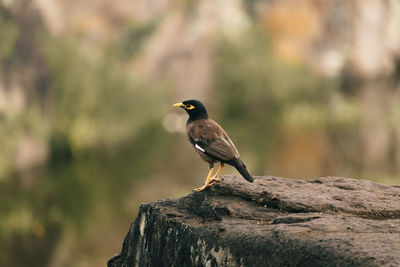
(189, 106)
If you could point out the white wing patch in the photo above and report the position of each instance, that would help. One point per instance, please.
(199, 148)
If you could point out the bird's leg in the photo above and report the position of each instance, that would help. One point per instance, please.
(215, 177)
(207, 183)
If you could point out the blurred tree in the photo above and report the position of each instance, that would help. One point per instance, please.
(101, 125)
(259, 97)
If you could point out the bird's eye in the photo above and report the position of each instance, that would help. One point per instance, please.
(188, 106)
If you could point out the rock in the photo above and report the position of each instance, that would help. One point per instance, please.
(272, 222)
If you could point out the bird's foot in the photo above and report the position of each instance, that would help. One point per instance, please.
(201, 188)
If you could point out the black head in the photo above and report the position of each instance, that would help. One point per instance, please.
(194, 108)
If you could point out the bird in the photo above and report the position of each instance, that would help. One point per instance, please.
(211, 142)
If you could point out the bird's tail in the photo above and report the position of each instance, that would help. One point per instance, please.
(244, 172)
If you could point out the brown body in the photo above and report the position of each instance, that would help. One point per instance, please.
(210, 136)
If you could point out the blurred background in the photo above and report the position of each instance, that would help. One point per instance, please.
(304, 88)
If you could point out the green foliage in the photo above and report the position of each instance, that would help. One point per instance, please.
(133, 38)
(95, 101)
(8, 33)
(260, 96)
(104, 133)
(254, 89)
(99, 110)
(10, 129)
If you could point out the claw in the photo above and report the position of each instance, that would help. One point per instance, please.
(201, 188)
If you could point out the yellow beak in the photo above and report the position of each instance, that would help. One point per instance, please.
(178, 105)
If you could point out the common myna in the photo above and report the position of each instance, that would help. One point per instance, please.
(211, 141)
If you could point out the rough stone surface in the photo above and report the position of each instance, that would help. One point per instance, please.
(329, 221)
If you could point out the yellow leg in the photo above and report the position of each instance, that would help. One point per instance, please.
(206, 184)
(216, 178)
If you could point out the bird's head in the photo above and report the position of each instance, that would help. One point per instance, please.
(194, 108)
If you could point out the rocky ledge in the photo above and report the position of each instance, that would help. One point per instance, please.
(274, 221)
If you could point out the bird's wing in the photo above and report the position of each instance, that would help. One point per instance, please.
(208, 137)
